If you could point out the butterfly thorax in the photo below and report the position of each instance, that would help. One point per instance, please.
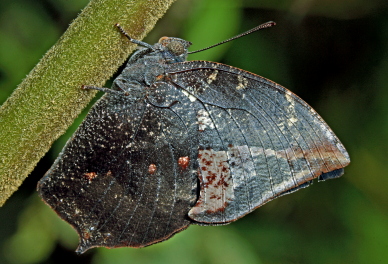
(145, 65)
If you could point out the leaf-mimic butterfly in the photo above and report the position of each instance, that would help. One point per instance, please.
(178, 142)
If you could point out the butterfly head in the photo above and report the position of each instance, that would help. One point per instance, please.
(173, 49)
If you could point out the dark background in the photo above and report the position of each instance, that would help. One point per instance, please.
(333, 54)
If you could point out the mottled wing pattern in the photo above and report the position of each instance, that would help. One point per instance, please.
(124, 178)
(257, 140)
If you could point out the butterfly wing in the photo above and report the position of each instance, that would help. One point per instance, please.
(128, 177)
(257, 140)
(124, 178)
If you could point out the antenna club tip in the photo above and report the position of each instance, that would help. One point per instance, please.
(269, 24)
(120, 28)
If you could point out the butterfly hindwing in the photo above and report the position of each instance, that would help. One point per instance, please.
(123, 179)
(257, 140)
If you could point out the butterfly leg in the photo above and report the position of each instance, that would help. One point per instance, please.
(103, 89)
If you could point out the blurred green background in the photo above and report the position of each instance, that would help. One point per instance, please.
(333, 54)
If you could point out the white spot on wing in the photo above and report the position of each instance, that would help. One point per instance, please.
(212, 77)
(242, 82)
(204, 121)
(216, 184)
(191, 97)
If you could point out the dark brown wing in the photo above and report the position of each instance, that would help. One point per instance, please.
(124, 178)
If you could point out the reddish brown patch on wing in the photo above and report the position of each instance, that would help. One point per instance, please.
(160, 77)
(219, 210)
(327, 157)
(183, 162)
(86, 234)
(152, 169)
(90, 176)
(322, 158)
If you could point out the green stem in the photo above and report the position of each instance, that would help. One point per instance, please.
(48, 100)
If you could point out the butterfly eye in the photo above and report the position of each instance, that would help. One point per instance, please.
(175, 47)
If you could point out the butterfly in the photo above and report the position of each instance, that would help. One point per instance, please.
(178, 142)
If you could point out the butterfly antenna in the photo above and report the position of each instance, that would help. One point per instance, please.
(262, 26)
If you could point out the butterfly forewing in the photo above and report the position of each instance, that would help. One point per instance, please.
(257, 140)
